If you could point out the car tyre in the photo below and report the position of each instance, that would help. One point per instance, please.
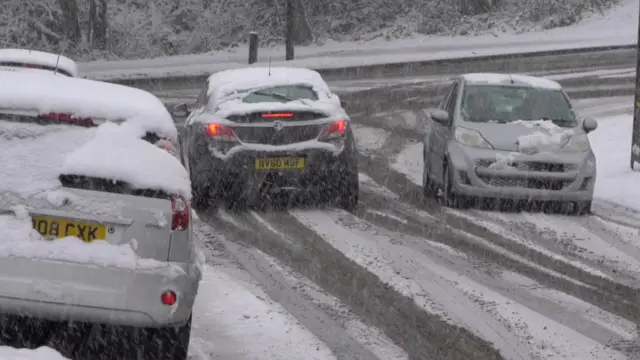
(170, 343)
(348, 190)
(448, 197)
(429, 189)
(581, 208)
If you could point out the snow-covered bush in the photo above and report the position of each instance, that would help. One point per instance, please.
(144, 28)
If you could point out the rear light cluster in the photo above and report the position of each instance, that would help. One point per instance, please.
(334, 130)
(181, 213)
(277, 115)
(220, 132)
(68, 119)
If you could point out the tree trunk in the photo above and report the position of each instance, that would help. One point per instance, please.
(98, 24)
(70, 21)
(475, 7)
(303, 35)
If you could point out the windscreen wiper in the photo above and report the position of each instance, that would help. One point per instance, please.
(274, 95)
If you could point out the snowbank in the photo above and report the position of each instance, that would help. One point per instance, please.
(41, 353)
(32, 91)
(116, 152)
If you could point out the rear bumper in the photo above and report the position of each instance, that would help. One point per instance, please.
(61, 291)
(322, 165)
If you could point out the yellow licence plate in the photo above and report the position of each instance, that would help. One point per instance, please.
(281, 163)
(58, 228)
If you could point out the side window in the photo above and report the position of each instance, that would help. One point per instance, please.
(453, 99)
(203, 98)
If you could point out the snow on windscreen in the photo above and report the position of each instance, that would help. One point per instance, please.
(31, 91)
(498, 79)
(45, 59)
(116, 152)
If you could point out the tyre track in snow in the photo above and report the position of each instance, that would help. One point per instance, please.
(418, 332)
(615, 297)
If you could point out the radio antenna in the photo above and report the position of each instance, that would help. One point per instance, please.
(269, 65)
(55, 70)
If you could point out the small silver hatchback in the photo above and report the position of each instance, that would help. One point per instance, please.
(508, 137)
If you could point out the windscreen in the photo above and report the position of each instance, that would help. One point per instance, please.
(494, 103)
(35, 66)
(108, 185)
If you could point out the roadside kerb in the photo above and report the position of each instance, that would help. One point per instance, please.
(593, 57)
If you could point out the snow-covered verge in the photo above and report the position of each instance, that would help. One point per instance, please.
(615, 180)
(42, 353)
(617, 26)
(237, 320)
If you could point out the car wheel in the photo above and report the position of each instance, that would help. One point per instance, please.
(448, 197)
(200, 191)
(348, 190)
(428, 187)
(170, 343)
(581, 208)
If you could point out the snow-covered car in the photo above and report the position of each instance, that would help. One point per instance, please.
(95, 220)
(40, 60)
(255, 131)
(509, 137)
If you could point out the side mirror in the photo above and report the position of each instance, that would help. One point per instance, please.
(589, 124)
(440, 116)
(181, 110)
(344, 104)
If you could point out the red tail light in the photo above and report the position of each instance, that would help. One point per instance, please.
(67, 118)
(277, 115)
(181, 213)
(220, 132)
(335, 129)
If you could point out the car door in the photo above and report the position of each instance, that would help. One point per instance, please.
(440, 134)
(434, 137)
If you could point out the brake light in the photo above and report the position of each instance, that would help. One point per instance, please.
(181, 213)
(68, 119)
(277, 115)
(220, 132)
(335, 129)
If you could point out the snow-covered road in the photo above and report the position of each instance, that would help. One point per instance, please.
(534, 286)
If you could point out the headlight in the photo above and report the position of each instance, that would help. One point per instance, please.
(471, 138)
(577, 143)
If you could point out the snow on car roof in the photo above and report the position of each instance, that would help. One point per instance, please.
(501, 79)
(33, 92)
(228, 81)
(42, 58)
(116, 152)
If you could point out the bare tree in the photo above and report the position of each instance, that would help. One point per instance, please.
(97, 34)
(70, 20)
(303, 33)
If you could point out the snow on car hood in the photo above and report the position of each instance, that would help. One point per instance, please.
(33, 91)
(523, 136)
(34, 156)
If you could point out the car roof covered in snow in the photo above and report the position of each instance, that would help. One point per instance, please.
(101, 101)
(41, 58)
(510, 79)
(228, 81)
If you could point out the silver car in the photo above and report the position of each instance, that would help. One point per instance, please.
(508, 137)
(152, 278)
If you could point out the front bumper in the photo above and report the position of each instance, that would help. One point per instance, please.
(62, 291)
(474, 176)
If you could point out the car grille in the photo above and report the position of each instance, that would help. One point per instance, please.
(541, 184)
(533, 166)
(257, 117)
(271, 136)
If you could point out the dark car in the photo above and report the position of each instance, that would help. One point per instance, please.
(258, 131)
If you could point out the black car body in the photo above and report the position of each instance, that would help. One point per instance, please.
(257, 131)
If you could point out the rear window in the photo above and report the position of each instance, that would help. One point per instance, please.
(110, 186)
(284, 93)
